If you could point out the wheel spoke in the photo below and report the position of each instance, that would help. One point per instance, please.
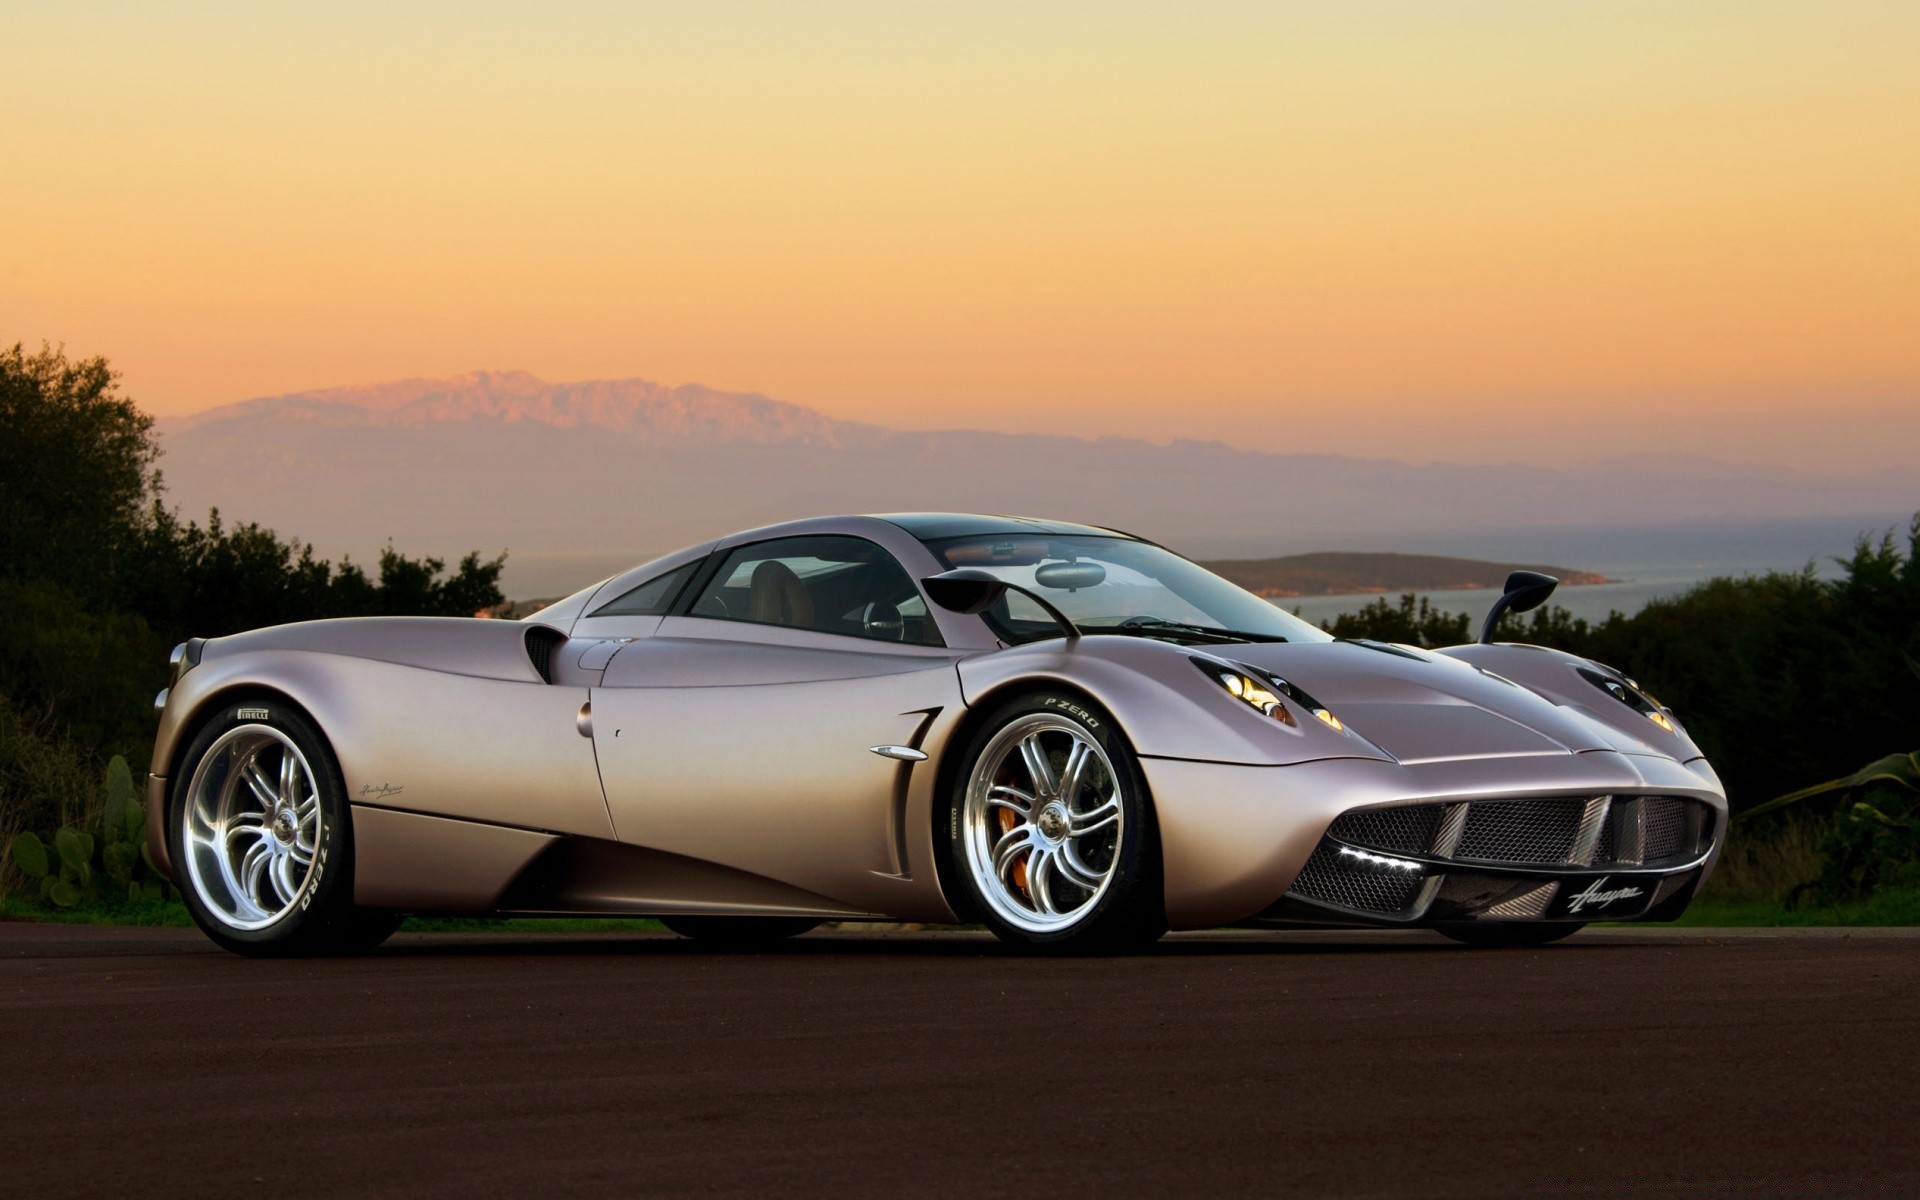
(1076, 871)
(252, 867)
(1001, 796)
(1040, 869)
(289, 777)
(1082, 824)
(1070, 775)
(1008, 848)
(251, 830)
(259, 784)
(282, 876)
(1039, 765)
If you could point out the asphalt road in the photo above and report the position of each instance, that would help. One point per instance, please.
(145, 1062)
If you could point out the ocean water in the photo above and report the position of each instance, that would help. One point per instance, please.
(1647, 564)
(1591, 601)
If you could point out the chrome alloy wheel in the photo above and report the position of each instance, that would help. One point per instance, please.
(1044, 820)
(253, 826)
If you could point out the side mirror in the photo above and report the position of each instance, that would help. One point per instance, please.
(970, 591)
(1525, 591)
(964, 591)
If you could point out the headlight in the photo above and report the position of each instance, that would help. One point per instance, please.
(1263, 690)
(1627, 692)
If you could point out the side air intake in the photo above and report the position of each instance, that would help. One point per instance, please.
(541, 644)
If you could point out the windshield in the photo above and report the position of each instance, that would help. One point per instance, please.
(1114, 585)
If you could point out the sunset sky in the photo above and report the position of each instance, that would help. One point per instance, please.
(1469, 232)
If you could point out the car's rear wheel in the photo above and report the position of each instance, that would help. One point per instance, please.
(261, 837)
(738, 933)
(1494, 934)
(1051, 834)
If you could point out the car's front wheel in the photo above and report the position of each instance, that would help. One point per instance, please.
(261, 838)
(1050, 831)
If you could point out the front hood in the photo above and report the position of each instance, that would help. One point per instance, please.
(1419, 707)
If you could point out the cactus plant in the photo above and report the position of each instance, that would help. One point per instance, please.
(68, 866)
(119, 797)
(76, 855)
(120, 860)
(30, 855)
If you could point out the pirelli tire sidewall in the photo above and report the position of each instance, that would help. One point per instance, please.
(324, 919)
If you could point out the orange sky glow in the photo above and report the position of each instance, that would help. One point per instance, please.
(1473, 232)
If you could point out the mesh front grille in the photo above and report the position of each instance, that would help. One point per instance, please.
(1408, 830)
(1654, 830)
(1666, 827)
(1540, 831)
(1329, 880)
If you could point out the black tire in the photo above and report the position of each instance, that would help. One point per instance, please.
(1130, 913)
(321, 918)
(738, 933)
(1490, 935)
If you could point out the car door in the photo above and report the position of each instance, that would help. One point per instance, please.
(742, 732)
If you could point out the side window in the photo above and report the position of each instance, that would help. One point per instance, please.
(843, 585)
(652, 598)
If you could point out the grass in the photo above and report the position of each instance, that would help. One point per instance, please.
(1888, 906)
(1766, 866)
(156, 913)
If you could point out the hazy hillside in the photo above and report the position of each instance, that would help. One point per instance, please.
(578, 479)
(1333, 574)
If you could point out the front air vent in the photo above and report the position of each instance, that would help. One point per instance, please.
(1519, 831)
(541, 644)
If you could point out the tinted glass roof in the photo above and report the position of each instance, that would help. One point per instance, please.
(933, 526)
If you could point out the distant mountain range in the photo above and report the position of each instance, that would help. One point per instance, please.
(1336, 574)
(577, 479)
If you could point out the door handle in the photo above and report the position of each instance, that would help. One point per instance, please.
(583, 721)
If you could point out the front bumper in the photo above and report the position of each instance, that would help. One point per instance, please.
(1234, 839)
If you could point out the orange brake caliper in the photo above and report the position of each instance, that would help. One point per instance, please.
(1007, 822)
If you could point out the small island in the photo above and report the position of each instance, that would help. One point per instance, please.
(1337, 574)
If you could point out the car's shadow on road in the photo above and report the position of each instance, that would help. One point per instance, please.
(934, 945)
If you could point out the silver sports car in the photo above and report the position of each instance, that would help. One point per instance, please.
(1069, 734)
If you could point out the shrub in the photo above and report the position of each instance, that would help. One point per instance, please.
(102, 855)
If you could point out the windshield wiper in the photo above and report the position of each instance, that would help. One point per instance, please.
(1157, 627)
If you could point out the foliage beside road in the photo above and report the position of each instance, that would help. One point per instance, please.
(98, 578)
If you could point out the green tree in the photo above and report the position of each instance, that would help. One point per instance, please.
(76, 469)
(98, 576)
